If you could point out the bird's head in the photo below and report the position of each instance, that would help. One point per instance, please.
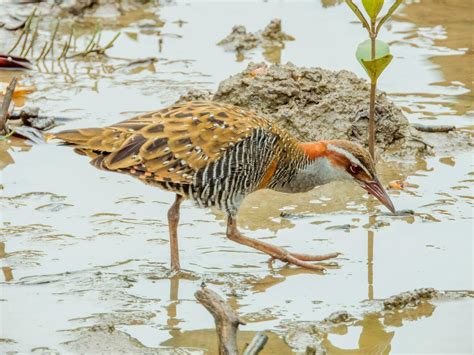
(350, 161)
(358, 165)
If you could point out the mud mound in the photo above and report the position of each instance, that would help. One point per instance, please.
(409, 298)
(315, 104)
(239, 39)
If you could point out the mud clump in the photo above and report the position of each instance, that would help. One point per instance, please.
(410, 298)
(273, 33)
(241, 40)
(316, 104)
(339, 317)
(195, 95)
(76, 7)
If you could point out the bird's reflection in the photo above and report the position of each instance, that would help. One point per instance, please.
(173, 321)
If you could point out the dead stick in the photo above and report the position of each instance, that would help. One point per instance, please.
(256, 345)
(6, 105)
(227, 321)
(433, 129)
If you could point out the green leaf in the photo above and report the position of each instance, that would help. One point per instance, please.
(372, 7)
(374, 67)
(359, 14)
(389, 13)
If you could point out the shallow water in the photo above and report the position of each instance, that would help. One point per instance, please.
(80, 247)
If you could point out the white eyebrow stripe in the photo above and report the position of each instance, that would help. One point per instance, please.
(349, 156)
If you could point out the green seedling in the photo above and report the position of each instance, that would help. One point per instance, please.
(373, 54)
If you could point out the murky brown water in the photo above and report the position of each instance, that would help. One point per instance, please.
(80, 247)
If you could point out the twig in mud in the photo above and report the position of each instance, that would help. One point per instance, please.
(433, 129)
(133, 62)
(227, 321)
(256, 345)
(6, 105)
(421, 141)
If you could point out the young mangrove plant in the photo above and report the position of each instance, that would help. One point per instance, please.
(373, 54)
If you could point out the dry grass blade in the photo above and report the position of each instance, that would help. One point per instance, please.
(50, 48)
(95, 48)
(23, 31)
(43, 50)
(67, 44)
(32, 43)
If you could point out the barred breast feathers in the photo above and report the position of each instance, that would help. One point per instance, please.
(212, 152)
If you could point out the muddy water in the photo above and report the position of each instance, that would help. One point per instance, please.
(84, 253)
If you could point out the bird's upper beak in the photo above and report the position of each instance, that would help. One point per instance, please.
(375, 188)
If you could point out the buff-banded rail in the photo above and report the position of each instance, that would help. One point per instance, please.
(216, 154)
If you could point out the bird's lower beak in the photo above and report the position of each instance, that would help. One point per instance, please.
(375, 188)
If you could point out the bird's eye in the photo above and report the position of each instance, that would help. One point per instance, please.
(354, 169)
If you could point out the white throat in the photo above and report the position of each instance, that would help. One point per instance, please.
(318, 172)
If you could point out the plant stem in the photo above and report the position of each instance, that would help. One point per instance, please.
(373, 88)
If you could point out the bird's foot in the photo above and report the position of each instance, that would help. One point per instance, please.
(307, 257)
(303, 260)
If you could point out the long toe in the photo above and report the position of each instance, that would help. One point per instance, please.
(307, 257)
(301, 263)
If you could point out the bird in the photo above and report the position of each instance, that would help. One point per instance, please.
(215, 154)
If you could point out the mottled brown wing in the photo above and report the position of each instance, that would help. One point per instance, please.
(170, 144)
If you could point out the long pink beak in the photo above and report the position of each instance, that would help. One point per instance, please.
(375, 188)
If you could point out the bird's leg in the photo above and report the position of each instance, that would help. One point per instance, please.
(274, 251)
(173, 220)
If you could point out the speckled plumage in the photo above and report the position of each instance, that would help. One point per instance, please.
(212, 153)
